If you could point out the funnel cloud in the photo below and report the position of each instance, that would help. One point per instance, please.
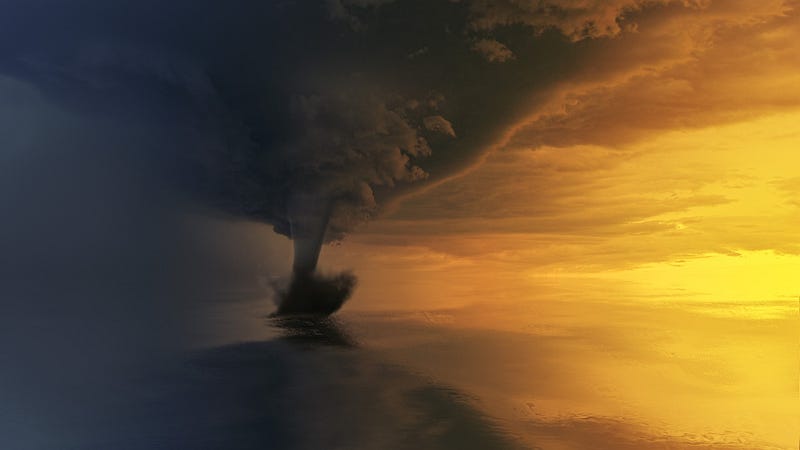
(342, 147)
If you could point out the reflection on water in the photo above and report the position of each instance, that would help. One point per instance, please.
(312, 387)
(553, 375)
(612, 376)
(313, 331)
(549, 376)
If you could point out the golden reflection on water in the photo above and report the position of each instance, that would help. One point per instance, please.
(557, 370)
(611, 375)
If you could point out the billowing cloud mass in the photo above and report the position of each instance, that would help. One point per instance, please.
(252, 122)
(318, 184)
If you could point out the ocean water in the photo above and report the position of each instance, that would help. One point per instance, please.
(550, 376)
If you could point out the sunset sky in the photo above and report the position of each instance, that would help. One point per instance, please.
(646, 141)
(668, 161)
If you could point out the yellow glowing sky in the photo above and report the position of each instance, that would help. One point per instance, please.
(669, 165)
(709, 214)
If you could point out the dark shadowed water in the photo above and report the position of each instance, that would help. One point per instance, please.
(309, 387)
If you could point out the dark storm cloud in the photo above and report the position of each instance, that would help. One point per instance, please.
(272, 100)
(304, 116)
